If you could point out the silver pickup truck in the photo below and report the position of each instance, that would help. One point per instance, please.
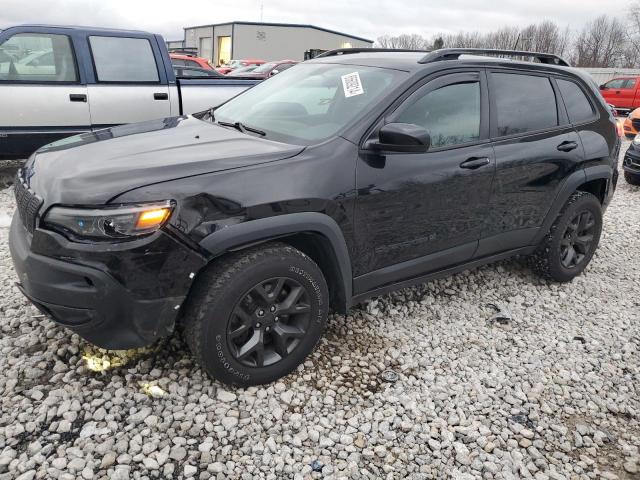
(60, 81)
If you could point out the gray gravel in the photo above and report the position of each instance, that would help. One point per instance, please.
(553, 393)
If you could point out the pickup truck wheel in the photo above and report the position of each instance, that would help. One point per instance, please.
(572, 240)
(254, 316)
(632, 178)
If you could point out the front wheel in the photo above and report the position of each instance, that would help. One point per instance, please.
(572, 240)
(254, 316)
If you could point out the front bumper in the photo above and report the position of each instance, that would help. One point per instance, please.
(631, 162)
(116, 296)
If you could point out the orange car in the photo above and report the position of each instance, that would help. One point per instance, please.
(631, 125)
(181, 60)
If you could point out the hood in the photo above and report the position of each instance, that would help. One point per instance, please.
(94, 167)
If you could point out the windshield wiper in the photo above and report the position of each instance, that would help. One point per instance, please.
(242, 127)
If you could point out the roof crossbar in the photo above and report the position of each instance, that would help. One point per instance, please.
(454, 54)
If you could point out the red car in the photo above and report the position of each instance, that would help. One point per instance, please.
(266, 70)
(233, 64)
(623, 93)
(181, 60)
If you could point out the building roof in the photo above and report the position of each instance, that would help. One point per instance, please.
(294, 25)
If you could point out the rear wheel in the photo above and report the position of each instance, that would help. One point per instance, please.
(257, 314)
(570, 244)
(632, 178)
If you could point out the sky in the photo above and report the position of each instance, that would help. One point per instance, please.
(365, 18)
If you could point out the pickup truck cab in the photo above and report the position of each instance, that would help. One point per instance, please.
(623, 93)
(60, 81)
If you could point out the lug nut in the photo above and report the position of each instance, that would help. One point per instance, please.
(267, 329)
(272, 308)
(276, 319)
(258, 325)
(260, 313)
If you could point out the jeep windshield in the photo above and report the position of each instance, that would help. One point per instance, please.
(308, 103)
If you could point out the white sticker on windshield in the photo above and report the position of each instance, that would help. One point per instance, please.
(352, 85)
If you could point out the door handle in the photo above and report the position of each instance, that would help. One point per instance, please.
(567, 146)
(77, 97)
(475, 162)
(161, 96)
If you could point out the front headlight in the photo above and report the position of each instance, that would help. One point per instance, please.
(109, 222)
(636, 140)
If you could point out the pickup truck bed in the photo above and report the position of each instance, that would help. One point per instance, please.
(60, 81)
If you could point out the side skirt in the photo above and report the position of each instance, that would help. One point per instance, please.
(439, 274)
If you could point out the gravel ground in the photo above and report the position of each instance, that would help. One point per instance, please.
(553, 393)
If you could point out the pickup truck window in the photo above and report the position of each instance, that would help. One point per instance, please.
(119, 59)
(310, 102)
(37, 58)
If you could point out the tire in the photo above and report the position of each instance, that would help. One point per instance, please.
(632, 178)
(233, 314)
(553, 259)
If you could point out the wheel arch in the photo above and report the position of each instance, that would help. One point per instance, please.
(315, 234)
(595, 180)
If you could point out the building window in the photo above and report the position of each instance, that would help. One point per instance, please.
(346, 45)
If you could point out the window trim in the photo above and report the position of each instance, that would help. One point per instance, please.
(561, 116)
(433, 82)
(77, 81)
(594, 111)
(124, 82)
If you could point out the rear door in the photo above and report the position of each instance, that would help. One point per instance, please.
(130, 83)
(43, 95)
(536, 148)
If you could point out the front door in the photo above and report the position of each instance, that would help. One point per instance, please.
(129, 87)
(418, 212)
(42, 97)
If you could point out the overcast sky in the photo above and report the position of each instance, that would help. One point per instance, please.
(366, 18)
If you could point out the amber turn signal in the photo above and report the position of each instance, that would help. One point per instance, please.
(152, 218)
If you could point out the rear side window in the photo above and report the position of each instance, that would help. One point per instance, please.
(524, 103)
(37, 57)
(630, 83)
(577, 103)
(119, 59)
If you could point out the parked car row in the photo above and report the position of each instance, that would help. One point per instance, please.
(185, 63)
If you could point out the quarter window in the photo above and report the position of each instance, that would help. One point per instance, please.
(119, 59)
(524, 103)
(40, 58)
(451, 114)
(578, 105)
(630, 83)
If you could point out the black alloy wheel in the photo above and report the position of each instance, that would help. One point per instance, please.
(268, 322)
(578, 237)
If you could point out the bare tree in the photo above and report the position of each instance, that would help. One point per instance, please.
(601, 43)
(404, 41)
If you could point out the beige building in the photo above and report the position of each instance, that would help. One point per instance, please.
(265, 41)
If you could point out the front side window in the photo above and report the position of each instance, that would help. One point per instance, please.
(119, 59)
(524, 103)
(310, 103)
(578, 106)
(451, 114)
(615, 83)
(36, 57)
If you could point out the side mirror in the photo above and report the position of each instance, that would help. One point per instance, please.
(401, 137)
(603, 87)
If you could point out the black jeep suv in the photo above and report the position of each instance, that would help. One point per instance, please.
(344, 177)
(631, 164)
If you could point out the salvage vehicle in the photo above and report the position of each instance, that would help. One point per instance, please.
(631, 162)
(188, 60)
(61, 81)
(233, 64)
(345, 177)
(631, 124)
(265, 70)
(623, 93)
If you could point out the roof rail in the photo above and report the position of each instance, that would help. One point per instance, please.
(344, 51)
(454, 53)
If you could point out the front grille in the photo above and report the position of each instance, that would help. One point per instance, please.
(28, 204)
(636, 123)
